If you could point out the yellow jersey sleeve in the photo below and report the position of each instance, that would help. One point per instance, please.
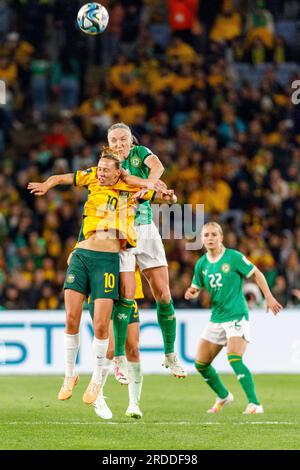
(86, 177)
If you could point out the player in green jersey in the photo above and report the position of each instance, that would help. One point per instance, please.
(222, 271)
(144, 168)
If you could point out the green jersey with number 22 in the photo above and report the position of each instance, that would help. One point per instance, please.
(135, 165)
(223, 279)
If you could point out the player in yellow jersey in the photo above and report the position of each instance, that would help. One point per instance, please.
(133, 361)
(107, 225)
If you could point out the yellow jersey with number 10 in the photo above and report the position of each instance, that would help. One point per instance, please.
(108, 208)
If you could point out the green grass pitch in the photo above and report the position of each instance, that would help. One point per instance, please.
(174, 416)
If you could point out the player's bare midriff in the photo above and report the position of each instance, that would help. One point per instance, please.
(100, 241)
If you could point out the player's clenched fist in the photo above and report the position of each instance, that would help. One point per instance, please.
(191, 293)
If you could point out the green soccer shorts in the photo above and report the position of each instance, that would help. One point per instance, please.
(94, 273)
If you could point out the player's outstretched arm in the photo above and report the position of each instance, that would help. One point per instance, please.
(165, 195)
(39, 189)
(272, 303)
(191, 293)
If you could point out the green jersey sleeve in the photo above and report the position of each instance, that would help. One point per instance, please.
(143, 152)
(243, 265)
(198, 279)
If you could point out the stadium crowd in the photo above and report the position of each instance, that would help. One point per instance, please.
(170, 73)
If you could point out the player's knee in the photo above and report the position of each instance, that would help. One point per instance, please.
(72, 322)
(133, 353)
(101, 328)
(162, 294)
(127, 290)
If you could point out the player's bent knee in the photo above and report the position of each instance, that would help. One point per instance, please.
(133, 353)
(127, 292)
(163, 295)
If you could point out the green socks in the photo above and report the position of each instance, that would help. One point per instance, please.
(244, 376)
(167, 322)
(121, 316)
(212, 379)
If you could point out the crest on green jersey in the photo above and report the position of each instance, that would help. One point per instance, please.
(225, 268)
(136, 161)
(70, 278)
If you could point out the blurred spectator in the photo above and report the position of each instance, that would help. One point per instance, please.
(8, 71)
(280, 291)
(227, 25)
(5, 18)
(253, 295)
(183, 18)
(48, 298)
(260, 25)
(130, 30)
(65, 80)
(40, 66)
(110, 41)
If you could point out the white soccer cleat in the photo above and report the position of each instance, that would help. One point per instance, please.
(134, 412)
(121, 372)
(101, 408)
(171, 362)
(253, 409)
(220, 403)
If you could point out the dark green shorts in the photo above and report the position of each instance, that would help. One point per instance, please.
(134, 314)
(94, 273)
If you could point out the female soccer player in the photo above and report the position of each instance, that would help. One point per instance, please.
(221, 271)
(144, 169)
(94, 267)
(133, 362)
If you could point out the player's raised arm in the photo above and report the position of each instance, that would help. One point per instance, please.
(39, 189)
(272, 303)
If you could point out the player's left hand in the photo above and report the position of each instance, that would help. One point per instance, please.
(191, 293)
(273, 305)
(39, 189)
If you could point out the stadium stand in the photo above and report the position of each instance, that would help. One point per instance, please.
(215, 108)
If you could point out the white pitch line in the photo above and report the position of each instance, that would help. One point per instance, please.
(165, 423)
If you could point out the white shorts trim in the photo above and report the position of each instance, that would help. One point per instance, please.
(219, 333)
(149, 252)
